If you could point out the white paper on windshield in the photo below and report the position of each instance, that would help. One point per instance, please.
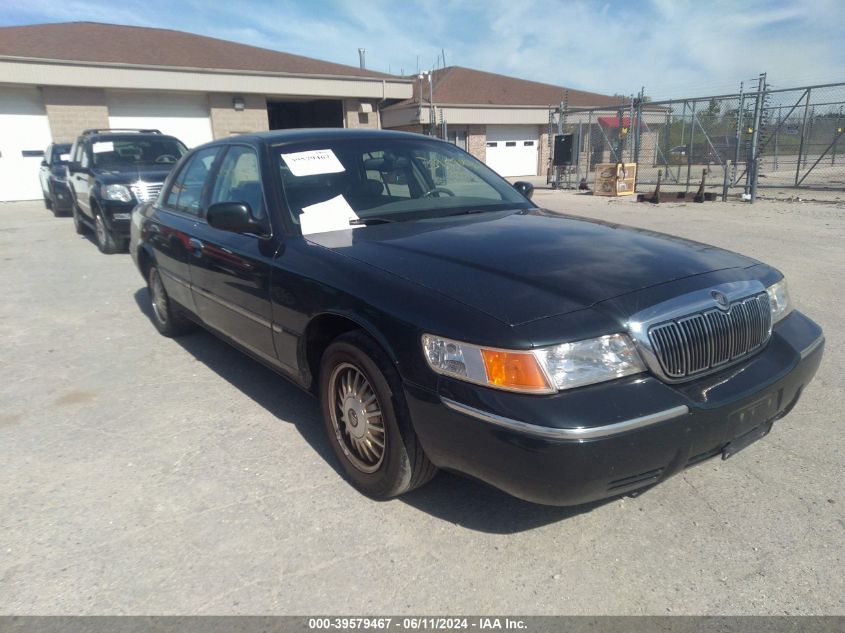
(103, 146)
(331, 215)
(64, 157)
(318, 161)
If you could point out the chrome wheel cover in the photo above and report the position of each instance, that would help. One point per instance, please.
(159, 297)
(357, 418)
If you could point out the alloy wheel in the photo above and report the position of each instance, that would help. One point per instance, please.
(357, 418)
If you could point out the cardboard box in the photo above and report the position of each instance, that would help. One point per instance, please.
(615, 179)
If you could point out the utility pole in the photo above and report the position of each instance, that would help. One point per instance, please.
(431, 102)
(420, 98)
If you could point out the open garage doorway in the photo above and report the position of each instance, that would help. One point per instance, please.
(285, 115)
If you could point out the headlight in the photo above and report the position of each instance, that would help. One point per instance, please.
(779, 300)
(544, 370)
(116, 192)
(594, 360)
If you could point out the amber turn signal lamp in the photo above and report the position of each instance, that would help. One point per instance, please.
(514, 370)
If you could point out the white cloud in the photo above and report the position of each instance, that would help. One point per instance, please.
(672, 47)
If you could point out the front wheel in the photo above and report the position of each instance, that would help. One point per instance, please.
(106, 240)
(367, 420)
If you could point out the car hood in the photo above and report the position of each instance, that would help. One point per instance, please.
(131, 174)
(519, 266)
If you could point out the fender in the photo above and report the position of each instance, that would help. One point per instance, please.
(357, 319)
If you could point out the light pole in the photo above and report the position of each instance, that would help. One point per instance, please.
(431, 121)
(421, 76)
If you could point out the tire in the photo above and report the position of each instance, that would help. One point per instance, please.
(48, 204)
(106, 241)
(356, 375)
(78, 224)
(168, 317)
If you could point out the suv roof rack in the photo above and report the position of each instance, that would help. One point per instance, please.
(108, 130)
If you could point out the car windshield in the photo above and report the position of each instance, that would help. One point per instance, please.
(333, 184)
(61, 153)
(118, 152)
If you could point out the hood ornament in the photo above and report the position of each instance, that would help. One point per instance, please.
(721, 299)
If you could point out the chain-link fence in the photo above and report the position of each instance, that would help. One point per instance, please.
(783, 138)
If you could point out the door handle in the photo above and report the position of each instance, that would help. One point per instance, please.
(196, 246)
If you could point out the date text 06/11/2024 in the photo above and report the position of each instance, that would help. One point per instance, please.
(416, 624)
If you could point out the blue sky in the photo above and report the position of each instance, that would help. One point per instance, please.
(672, 47)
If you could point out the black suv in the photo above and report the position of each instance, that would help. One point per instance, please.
(110, 171)
(53, 177)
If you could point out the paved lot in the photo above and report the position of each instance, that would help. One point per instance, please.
(144, 475)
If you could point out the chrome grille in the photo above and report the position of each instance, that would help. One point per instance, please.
(146, 191)
(693, 344)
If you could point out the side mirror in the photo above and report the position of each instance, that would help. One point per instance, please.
(44, 163)
(73, 166)
(235, 217)
(525, 188)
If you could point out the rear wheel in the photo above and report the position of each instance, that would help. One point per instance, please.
(167, 315)
(367, 420)
(106, 240)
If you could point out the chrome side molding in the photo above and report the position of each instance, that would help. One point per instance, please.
(812, 346)
(579, 433)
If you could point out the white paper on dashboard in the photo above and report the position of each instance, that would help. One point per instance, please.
(331, 215)
(318, 161)
(103, 146)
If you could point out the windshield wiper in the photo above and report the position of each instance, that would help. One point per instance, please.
(368, 221)
(471, 212)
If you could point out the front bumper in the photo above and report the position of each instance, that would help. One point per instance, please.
(117, 216)
(603, 440)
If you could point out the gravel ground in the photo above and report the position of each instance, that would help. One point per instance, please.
(142, 475)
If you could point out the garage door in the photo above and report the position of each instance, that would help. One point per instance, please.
(183, 116)
(512, 149)
(24, 130)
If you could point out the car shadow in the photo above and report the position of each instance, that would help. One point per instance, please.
(279, 397)
(449, 497)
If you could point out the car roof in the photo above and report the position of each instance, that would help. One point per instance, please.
(274, 137)
(128, 135)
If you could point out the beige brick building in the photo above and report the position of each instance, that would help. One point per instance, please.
(54, 84)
